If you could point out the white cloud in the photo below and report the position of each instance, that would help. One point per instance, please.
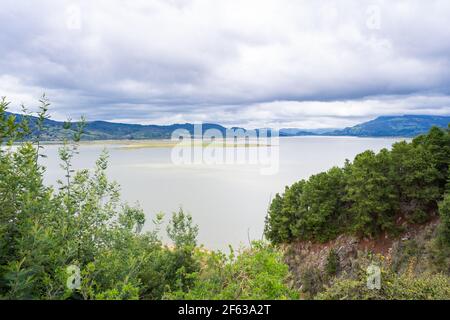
(253, 62)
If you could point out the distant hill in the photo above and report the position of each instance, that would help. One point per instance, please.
(108, 130)
(103, 130)
(292, 132)
(394, 126)
(384, 126)
(289, 132)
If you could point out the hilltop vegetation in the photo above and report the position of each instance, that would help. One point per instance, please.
(103, 130)
(367, 196)
(394, 126)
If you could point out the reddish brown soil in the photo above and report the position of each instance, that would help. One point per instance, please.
(380, 245)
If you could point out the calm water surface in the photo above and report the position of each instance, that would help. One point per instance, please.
(228, 202)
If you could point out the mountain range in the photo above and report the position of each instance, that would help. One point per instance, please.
(383, 126)
(394, 126)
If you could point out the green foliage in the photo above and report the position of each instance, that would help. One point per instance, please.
(371, 193)
(181, 230)
(332, 264)
(417, 179)
(255, 273)
(308, 209)
(393, 287)
(84, 225)
(444, 211)
(282, 212)
(318, 211)
(367, 196)
(312, 281)
(10, 130)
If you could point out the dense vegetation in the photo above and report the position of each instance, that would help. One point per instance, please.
(405, 286)
(47, 233)
(102, 130)
(369, 196)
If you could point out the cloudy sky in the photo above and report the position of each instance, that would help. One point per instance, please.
(278, 63)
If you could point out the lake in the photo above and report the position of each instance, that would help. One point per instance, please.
(228, 201)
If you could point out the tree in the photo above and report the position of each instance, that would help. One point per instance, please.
(320, 213)
(417, 180)
(181, 230)
(368, 195)
(83, 223)
(371, 193)
(281, 216)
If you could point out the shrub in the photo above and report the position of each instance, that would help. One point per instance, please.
(255, 273)
(311, 281)
(393, 287)
(444, 212)
(332, 263)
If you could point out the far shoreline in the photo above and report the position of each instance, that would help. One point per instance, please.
(168, 140)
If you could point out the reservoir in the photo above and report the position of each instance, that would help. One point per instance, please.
(228, 201)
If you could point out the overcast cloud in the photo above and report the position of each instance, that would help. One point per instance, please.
(258, 63)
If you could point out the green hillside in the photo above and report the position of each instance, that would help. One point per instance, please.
(394, 126)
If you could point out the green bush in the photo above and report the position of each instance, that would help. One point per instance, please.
(332, 263)
(255, 273)
(393, 287)
(312, 281)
